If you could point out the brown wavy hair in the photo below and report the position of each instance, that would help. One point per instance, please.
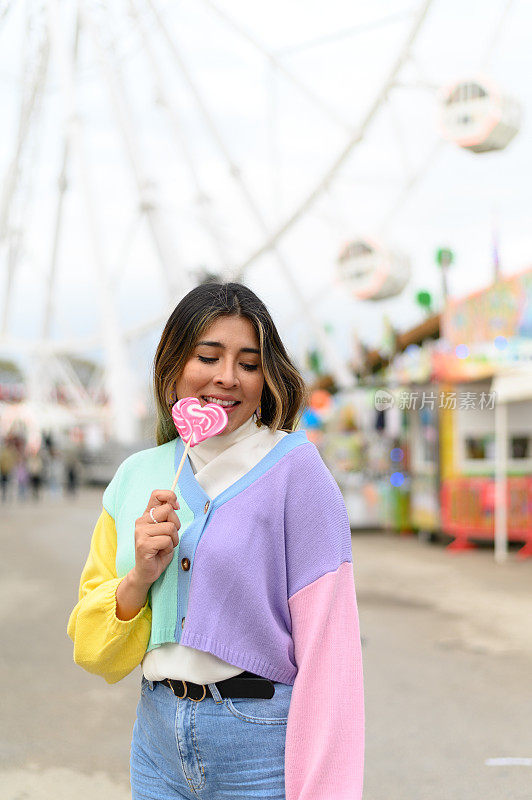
(285, 393)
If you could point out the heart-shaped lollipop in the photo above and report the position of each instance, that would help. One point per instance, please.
(195, 423)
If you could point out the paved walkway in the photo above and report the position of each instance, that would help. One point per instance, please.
(489, 605)
(447, 643)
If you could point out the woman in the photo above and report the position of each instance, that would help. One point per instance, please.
(236, 593)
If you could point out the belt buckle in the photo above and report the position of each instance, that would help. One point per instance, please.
(186, 689)
(171, 685)
(199, 698)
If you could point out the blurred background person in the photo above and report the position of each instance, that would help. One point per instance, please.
(72, 468)
(22, 477)
(35, 467)
(55, 473)
(8, 457)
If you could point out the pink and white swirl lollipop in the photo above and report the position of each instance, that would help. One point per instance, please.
(195, 423)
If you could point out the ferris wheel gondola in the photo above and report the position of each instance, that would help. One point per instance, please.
(371, 270)
(477, 116)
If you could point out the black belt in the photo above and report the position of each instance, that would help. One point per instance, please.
(246, 684)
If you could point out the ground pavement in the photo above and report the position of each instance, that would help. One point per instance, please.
(447, 647)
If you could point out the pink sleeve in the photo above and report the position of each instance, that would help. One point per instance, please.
(324, 756)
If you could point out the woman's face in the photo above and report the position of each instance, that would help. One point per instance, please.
(225, 364)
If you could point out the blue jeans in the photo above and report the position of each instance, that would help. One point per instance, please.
(220, 747)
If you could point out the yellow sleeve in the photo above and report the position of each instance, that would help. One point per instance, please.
(104, 644)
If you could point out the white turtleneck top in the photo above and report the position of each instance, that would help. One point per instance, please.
(217, 463)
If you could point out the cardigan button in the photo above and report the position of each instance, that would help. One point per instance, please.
(182, 622)
(206, 508)
(185, 563)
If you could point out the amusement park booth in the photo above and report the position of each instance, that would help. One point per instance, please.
(486, 440)
(356, 450)
(414, 485)
(416, 397)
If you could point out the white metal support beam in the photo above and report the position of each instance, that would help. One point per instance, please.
(119, 380)
(29, 101)
(61, 189)
(35, 74)
(170, 108)
(174, 275)
(501, 480)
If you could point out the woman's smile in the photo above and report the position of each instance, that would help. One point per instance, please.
(228, 405)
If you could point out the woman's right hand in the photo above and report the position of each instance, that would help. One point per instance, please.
(155, 542)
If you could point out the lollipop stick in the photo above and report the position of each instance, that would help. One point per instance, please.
(180, 467)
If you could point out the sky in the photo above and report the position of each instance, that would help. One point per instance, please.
(281, 142)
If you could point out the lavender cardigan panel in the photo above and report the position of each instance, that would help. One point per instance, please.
(278, 534)
(238, 602)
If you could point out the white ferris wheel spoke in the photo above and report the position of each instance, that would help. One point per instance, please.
(324, 107)
(119, 379)
(35, 59)
(147, 187)
(173, 115)
(355, 139)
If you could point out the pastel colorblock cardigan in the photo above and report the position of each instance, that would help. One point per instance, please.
(270, 589)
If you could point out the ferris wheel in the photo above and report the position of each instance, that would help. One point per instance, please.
(180, 187)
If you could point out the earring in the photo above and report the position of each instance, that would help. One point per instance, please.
(258, 422)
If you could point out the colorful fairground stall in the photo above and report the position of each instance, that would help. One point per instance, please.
(409, 376)
(434, 436)
(407, 476)
(484, 367)
(466, 420)
(387, 471)
(355, 440)
(367, 431)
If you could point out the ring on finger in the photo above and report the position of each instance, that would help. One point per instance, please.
(151, 515)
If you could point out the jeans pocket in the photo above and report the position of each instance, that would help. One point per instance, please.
(262, 710)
